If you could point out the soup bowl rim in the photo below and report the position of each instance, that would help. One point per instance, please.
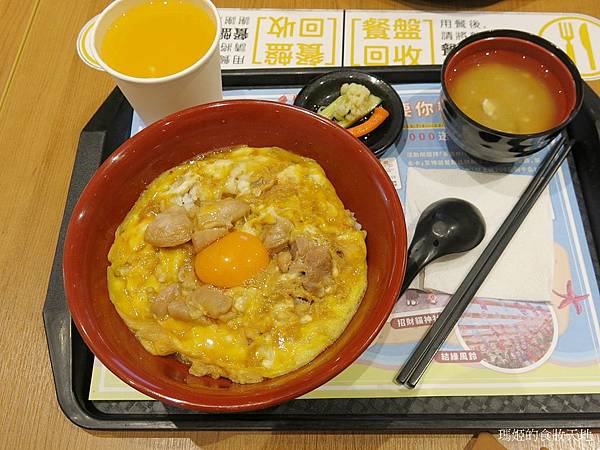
(528, 37)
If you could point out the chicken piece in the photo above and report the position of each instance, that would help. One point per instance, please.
(277, 236)
(212, 301)
(156, 340)
(160, 304)
(175, 209)
(314, 287)
(284, 260)
(318, 263)
(203, 238)
(170, 301)
(222, 213)
(299, 247)
(262, 185)
(314, 262)
(170, 228)
(180, 310)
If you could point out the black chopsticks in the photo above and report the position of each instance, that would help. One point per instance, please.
(423, 354)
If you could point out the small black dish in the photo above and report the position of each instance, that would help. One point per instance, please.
(492, 145)
(324, 89)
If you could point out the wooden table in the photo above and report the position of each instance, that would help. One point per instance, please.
(46, 96)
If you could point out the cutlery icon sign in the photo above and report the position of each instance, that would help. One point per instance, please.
(584, 36)
(567, 34)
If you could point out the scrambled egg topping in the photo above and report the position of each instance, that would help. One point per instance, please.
(244, 263)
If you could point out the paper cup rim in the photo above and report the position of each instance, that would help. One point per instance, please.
(146, 80)
(85, 47)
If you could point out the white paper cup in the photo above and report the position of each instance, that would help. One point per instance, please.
(154, 98)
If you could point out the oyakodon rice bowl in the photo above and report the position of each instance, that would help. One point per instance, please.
(244, 263)
(359, 180)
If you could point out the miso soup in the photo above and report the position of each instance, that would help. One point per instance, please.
(507, 91)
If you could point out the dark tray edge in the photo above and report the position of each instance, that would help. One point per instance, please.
(109, 127)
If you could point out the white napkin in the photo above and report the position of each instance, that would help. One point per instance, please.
(525, 269)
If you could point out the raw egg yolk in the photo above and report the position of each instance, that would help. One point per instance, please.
(231, 260)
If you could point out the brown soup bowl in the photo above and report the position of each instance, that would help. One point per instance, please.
(360, 182)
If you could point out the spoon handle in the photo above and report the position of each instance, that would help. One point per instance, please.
(412, 270)
(437, 334)
(419, 255)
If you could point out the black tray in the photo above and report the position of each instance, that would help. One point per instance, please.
(72, 361)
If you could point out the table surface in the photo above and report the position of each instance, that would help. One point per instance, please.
(46, 96)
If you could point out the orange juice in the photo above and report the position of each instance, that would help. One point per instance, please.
(158, 38)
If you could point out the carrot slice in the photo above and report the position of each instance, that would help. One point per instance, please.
(376, 119)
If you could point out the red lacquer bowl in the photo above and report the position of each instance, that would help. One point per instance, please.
(359, 179)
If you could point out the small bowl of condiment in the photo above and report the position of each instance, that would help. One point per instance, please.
(365, 105)
(507, 94)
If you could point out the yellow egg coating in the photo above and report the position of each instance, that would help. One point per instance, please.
(276, 323)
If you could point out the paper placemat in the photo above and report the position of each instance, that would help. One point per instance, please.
(500, 347)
